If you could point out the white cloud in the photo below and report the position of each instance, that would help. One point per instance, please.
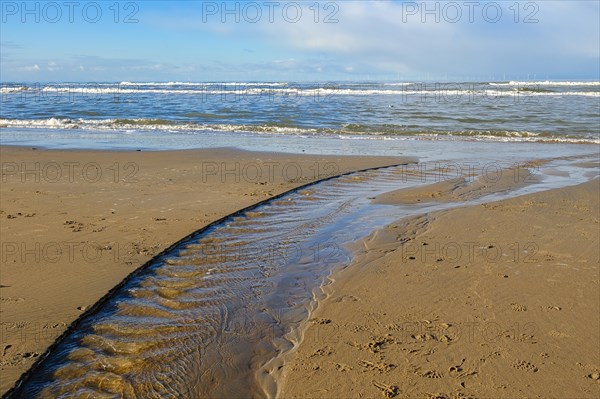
(379, 39)
(53, 66)
(389, 38)
(32, 68)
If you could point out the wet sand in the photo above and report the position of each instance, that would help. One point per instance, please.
(500, 300)
(75, 223)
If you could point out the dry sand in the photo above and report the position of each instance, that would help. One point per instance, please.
(75, 223)
(500, 300)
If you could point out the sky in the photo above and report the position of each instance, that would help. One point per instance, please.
(197, 41)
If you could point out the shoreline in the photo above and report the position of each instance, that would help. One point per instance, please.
(422, 147)
(83, 232)
(400, 320)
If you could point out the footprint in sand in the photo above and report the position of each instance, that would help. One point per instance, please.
(558, 334)
(553, 308)
(437, 396)
(375, 346)
(16, 359)
(389, 391)
(516, 307)
(342, 367)
(322, 352)
(424, 337)
(525, 366)
(434, 374)
(458, 371)
(321, 320)
(446, 339)
(380, 367)
(54, 325)
(11, 300)
(6, 348)
(347, 298)
(527, 338)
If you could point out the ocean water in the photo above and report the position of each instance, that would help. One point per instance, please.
(312, 116)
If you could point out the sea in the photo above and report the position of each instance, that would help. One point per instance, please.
(359, 118)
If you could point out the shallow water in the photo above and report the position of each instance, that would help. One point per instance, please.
(203, 318)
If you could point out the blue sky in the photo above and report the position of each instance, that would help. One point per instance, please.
(292, 41)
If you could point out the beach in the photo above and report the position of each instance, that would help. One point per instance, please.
(76, 222)
(497, 299)
(493, 300)
(300, 200)
(132, 265)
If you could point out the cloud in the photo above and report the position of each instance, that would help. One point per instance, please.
(393, 39)
(411, 38)
(32, 68)
(366, 39)
(53, 66)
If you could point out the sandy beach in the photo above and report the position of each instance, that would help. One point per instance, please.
(492, 300)
(300, 200)
(74, 223)
(499, 300)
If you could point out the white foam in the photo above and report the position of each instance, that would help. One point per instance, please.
(291, 92)
(372, 133)
(38, 123)
(547, 83)
(200, 84)
(11, 90)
